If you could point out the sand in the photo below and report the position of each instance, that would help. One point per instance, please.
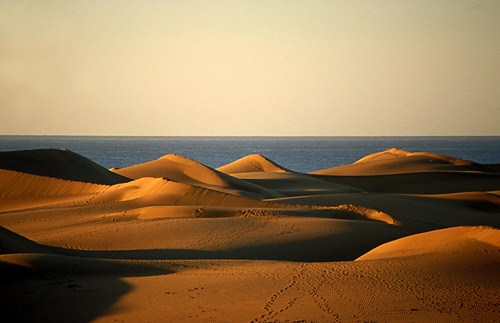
(397, 236)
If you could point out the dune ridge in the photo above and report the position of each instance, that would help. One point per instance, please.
(161, 191)
(15, 185)
(22, 191)
(58, 163)
(456, 239)
(182, 169)
(399, 153)
(396, 236)
(11, 242)
(398, 161)
(252, 163)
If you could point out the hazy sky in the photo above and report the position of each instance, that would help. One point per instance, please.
(250, 67)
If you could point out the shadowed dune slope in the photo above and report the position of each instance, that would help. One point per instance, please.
(420, 212)
(252, 163)
(397, 161)
(440, 241)
(400, 171)
(11, 242)
(293, 184)
(481, 201)
(420, 182)
(495, 167)
(181, 169)
(58, 163)
(38, 262)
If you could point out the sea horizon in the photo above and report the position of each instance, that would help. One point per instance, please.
(298, 153)
(261, 136)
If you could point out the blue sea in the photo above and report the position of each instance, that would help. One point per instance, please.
(302, 154)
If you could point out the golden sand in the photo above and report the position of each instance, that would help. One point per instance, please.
(395, 237)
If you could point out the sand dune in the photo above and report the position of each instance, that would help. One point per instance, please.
(159, 191)
(182, 169)
(11, 242)
(396, 236)
(419, 182)
(397, 161)
(252, 163)
(293, 184)
(16, 185)
(418, 212)
(58, 163)
(457, 239)
(227, 226)
(21, 190)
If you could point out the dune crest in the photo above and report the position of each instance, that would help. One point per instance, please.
(398, 161)
(176, 167)
(58, 163)
(400, 153)
(185, 170)
(386, 154)
(15, 185)
(435, 242)
(252, 163)
(11, 242)
(21, 191)
(159, 191)
(370, 213)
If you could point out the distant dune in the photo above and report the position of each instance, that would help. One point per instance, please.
(58, 163)
(397, 161)
(182, 169)
(397, 236)
(252, 163)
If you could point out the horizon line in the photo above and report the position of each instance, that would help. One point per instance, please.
(245, 136)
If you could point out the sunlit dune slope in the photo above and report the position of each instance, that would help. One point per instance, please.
(21, 185)
(58, 163)
(21, 190)
(397, 161)
(160, 191)
(190, 222)
(451, 240)
(151, 197)
(181, 169)
(252, 163)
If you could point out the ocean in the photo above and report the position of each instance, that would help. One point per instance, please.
(303, 154)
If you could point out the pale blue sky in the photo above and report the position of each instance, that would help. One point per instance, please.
(267, 68)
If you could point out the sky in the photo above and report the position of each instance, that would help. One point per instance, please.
(250, 68)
